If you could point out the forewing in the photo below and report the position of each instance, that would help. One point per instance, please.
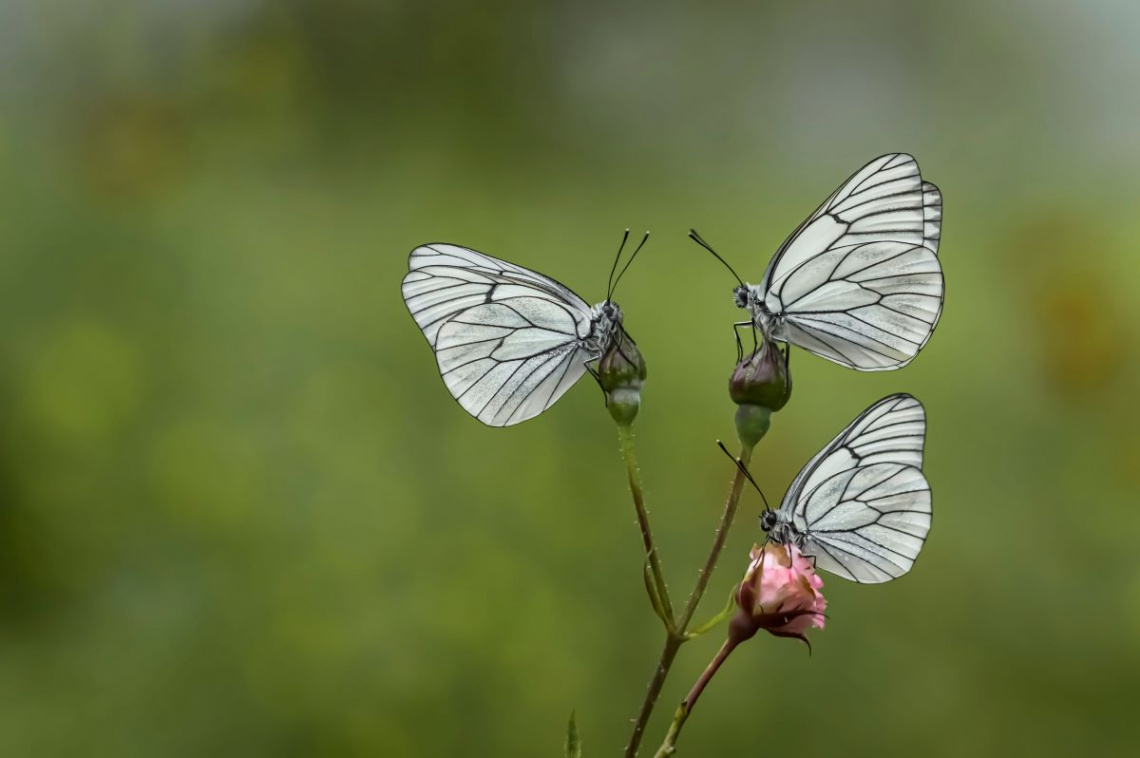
(445, 280)
(887, 437)
(508, 361)
(870, 306)
(867, 524)
(931, 216)
(891, 430)
(885, 200)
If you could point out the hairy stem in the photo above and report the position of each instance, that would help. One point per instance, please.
(718, 542)
(668, 653)
(625, 433)
(676, 637)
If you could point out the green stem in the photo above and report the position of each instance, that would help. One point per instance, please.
(668, 653)
(668, 747)
(726, 519)
(676, 637)
(625, 433)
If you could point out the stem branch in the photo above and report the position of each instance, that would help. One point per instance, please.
(718, 543)
(668, 653)
(675, 638)
(625, 433)
(668, 747)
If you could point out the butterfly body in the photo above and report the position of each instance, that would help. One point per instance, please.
(751, 297)
(605, 324)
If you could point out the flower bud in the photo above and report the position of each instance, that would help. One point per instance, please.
(762, 378)
(780, 594)
(760, 384)
(621, 372)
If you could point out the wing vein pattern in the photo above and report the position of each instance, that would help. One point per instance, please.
(859, 282)
(862, 504)
(508, 341)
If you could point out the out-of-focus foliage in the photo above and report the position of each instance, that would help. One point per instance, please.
(240, 515)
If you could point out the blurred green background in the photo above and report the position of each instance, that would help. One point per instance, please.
(240, 514)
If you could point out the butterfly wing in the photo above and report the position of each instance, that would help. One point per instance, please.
(870, 306)
(931, 215)
(885, 200)
(868, 524)
(444, 280)
(859, 281)
(508, 341)
(862, 503)
(508, 362)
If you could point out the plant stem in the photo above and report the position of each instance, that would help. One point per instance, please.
(718, 543)
(668, 747)
(668, 653)
(676, 638)
(625, 434)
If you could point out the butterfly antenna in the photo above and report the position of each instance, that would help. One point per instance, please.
(626, 266)
(697, 238)
(610, 283)
(744, 470)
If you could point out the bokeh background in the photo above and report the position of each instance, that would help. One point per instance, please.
(240, 515)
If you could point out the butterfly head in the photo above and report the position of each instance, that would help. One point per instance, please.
(606, 317)
(605, 323)
(741, 296)
(780, 531)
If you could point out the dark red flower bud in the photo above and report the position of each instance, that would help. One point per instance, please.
(762, 378)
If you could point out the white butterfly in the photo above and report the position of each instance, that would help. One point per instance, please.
(509, 341)
(859, 281)
(861, 507)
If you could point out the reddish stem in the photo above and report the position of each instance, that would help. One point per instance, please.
(699, 686)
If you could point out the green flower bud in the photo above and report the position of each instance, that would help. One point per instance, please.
(623, 405)
(752, 422)
(621, 372)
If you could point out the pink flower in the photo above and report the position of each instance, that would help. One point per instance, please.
(780, 593)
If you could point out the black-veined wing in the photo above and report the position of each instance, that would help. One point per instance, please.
(506, 362)
(444, 280)
(885, 200)
(854, 281)
(508, 341)
(870, 306)
(862, 503)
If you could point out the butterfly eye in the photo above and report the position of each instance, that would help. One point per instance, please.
(740, 295)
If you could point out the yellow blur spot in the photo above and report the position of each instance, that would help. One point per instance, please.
(83, 384)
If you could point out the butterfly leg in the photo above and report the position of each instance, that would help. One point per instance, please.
(739, 344)
(598, 379)
(800, 540)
